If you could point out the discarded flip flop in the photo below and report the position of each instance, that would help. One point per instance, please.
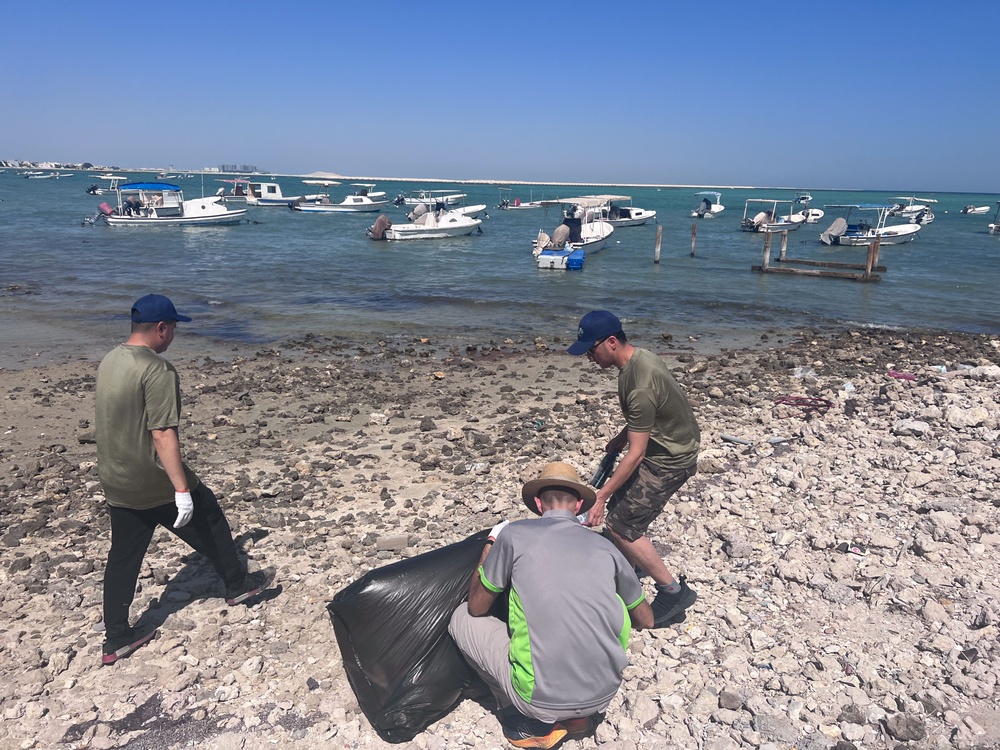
(901, 375)
(852, 548)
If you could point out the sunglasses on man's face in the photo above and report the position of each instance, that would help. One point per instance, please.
(592, 349)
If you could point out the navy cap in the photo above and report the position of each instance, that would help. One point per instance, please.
(155, 307)
(594, 326)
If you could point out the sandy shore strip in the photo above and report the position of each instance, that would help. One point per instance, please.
(333, 457)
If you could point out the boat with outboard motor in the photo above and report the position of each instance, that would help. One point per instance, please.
(237, 192)
(364, 200)
(581, 230)
(974, 210)
(909, 206)
(707, 207)
(269, 194)
(433, 224)
(114, 180)
(515, 204)
(429, 198)
(843, 232)
(768, 219)
(152, 204)
(618, 211)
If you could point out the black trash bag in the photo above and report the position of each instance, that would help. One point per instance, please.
(392, 629)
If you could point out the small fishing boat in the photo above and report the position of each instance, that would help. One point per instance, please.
(515, 204)
(995, 226)
(619, 212)
(768, 219)
(364, 200)
(843, 232)
(433, 225)
(269, 194)
(809, 215)
(237, 192)
(708, 208)
(581, 230)
(975, 210)
(152, 204)
(428, 198)
(910, 205)
(113, 181)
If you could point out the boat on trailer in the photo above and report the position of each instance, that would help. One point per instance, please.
(862, 232)
(153, 204)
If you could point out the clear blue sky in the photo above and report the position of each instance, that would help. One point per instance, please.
(872, 95)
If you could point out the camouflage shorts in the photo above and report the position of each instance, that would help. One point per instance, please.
(639, 501)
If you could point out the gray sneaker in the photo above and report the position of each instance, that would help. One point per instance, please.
(668, 608)
(253, 584)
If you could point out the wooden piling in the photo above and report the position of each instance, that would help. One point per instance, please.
(784, 244)
(694, 232)
(765, 261)
(656, 249)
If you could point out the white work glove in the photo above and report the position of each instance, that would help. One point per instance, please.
(495, 531)
(185, 508)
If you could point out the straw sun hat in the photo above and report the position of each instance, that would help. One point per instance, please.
(557, 474)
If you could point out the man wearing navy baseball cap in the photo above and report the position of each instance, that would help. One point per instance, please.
(145, 480)
(663, 441)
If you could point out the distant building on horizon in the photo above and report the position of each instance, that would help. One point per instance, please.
(237, 168)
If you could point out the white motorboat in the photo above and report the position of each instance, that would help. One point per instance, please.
(114, 180)
(809, 215)
(842, 232)
(433, 225)
(237, 192)
(269, 194)
(429, 198)
(926, 216)
(153, 204)
(909, 206)
(364, 200)
(707, 207)
(995, 226)
(473, 210)
(619, 212)
(581, 230)
(768, 219)
(975, 210)
(515, 204)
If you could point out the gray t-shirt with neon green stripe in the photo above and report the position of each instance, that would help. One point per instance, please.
(570, 592)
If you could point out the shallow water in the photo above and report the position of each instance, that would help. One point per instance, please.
(292, 274)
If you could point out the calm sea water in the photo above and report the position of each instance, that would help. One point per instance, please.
(292, 274)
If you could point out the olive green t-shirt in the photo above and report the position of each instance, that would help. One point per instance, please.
(137, 391)
(653, 402)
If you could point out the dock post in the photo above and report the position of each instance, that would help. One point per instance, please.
(694, 233)
(872, 260)
(765, 260)
(784, 244)
(656, 249)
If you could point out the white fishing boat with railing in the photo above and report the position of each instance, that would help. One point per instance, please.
(863, 232)
(581, 231)
(364, 200)
(768, 218)
(709, 206)
(152, 204)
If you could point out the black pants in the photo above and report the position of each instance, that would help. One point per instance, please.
(132, 530)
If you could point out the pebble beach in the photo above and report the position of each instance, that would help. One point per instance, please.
(843, 534)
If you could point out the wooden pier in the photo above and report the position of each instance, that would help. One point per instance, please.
(869, 270)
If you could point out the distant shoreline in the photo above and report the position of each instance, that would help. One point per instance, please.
(441, 180)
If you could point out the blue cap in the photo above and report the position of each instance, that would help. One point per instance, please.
(155, 307)
(594, 326)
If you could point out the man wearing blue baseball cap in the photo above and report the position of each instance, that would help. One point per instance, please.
(145, 480)
(663, 441)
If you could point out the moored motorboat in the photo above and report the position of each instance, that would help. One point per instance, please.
(809, 215)
(708, 208)
(364, 200)
(995, 226)
(151, 204)
(767, 219)
(515, 204)
(975, 210)
(910, 206)
(619, 212)
(433, 225)
(237, 192)
(269, 194)
(843, 232)
(581, 231)
(429, 198)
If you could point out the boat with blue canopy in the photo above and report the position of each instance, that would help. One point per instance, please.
(149, 204)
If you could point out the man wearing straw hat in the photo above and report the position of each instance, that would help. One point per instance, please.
(573, 600)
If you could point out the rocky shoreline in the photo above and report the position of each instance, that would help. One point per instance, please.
(334, 457)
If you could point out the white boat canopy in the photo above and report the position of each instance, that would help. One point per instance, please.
(587, 201)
